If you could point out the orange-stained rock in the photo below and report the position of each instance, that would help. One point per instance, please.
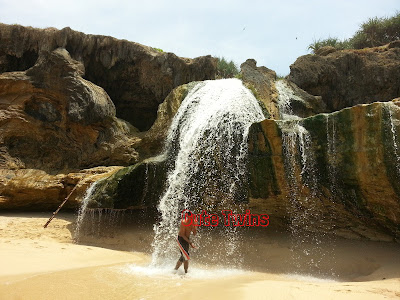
(30, 189)
(350, 185)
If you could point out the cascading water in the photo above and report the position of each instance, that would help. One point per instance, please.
(301, 174)
(332, 154)
(82, 209)
(207, 143)
(296, 139)
(96, 221)
(391, 107)
(284, 99)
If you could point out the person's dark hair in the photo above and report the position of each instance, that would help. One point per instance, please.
(186, 212)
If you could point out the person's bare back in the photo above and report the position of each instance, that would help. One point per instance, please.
(186, 229)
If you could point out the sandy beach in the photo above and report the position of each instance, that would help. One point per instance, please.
(38, 263)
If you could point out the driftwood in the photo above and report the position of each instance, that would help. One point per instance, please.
(61, 205)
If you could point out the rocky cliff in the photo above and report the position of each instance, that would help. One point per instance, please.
(312, 171)
(137, 78)
(325, 160)
(54, 120)
(58, 122)
(350, 77)
(340, 171)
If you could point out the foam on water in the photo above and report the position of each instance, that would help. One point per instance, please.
(167, 272)
(309, 278)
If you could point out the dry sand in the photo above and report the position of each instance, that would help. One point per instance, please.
(38, 263)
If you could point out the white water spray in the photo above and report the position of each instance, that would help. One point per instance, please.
(391, 108)
(207, 142)
(332, 154)
(284, 99)
(82, 209)
(301, 174)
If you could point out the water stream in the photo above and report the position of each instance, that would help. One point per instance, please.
(207, 143)
(302, 179)
(391, 108)
(332, 155)
(82, 210)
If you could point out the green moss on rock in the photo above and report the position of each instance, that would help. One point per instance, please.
(135, 186)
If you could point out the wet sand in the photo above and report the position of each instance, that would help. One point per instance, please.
(38, 263)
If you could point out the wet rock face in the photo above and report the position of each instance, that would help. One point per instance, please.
(54, 120)
(350, 77)
(136, 77)
(263, 83)
(355, 160)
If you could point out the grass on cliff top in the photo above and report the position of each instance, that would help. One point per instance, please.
(158, 49)
(372, 33)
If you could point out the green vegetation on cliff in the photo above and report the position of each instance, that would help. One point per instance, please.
(372, 33)
(226, 69)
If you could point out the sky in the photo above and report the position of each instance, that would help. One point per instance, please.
(274, 33)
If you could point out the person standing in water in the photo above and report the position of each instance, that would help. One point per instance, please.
(186, 228)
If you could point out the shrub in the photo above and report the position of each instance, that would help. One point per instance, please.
(226, 69)
(334, 42)
(158, 49)
(375, 32)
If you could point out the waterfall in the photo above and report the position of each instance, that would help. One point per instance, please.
(391, 107)
(296, 140)
(83, 208)
(285, 94)
(207, 145)
(96, 221)
(332, 153)
(302, 178)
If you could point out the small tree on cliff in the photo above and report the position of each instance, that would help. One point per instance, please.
(226, 69)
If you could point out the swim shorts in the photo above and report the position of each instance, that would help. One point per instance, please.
(184, 248)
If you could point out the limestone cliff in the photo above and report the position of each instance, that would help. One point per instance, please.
(32, 189)
(136, 77)
(53, 126)
(318, 172)
(333, 166)
(262, 82)
(54, 120)
(350, 77)
(57, 118)
(344, 165)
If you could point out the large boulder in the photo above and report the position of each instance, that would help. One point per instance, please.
(350, 77)
(54, 120)
(137, 77)
(261, 81)
(270, 92)
(31, 189)
(153, 140)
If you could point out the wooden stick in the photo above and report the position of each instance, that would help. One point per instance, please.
(61, 205)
